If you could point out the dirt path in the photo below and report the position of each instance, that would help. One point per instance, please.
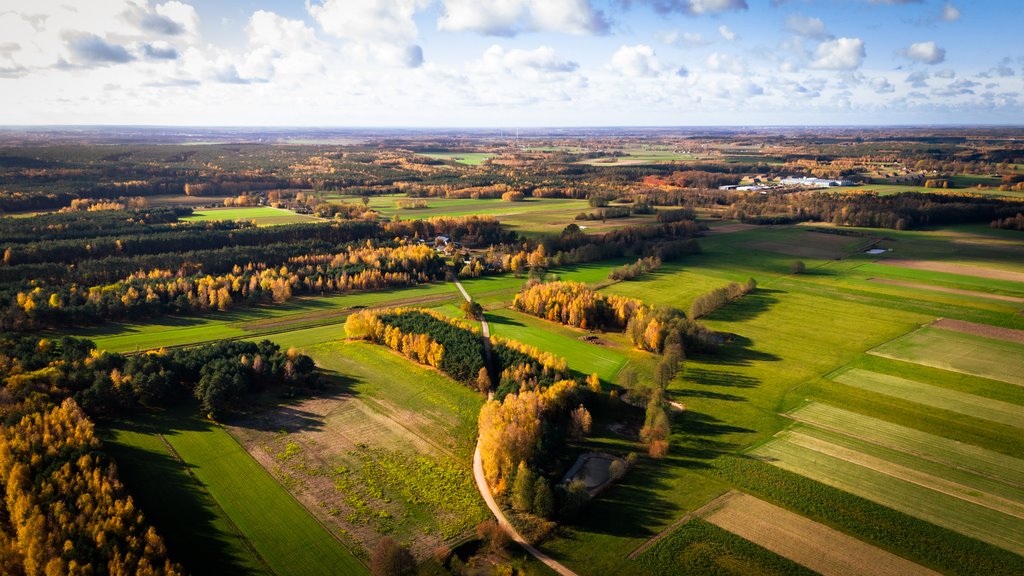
(945, 290)
(961, 269)
(485, 491)
(807, 542)
(1008, 334)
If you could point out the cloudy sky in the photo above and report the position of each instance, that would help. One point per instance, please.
(505, 63)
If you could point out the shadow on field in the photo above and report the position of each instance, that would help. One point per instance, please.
(748, 307)
(706, 394)
(180, 509)
(718, 378)
(740, 352)
(502, 320)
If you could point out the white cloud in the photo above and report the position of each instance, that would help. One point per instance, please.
(839, 54)
(725, 63)
(539, 61)
(635, 61)
(882, 86)
(925, 52)
(696, 7)
(280, 45)
(726, 33)
(368, 20)
(184, 15)
(512, 17)
(807, 26)
(378, 31)
(949, 12)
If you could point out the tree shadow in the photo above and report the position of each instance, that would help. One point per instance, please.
(719, 378)
(748, 307)
(707, 394)
(181, 510)
(502, 320)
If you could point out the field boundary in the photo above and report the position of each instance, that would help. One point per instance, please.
(710, 507)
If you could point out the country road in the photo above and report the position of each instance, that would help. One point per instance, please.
(485, 491)
(481, 481)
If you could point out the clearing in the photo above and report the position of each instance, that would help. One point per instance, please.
(261, 215)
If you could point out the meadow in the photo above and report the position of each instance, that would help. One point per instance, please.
(468, 158)
(261, 215)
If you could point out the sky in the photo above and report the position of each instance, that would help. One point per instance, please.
(511, 63)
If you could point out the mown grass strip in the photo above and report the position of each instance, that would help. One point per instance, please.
(935, 396)
(967, 353)
(1001, 467)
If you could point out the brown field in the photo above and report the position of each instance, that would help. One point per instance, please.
(806, 542)
(961, 269)
(1008, 334)
(945, 290)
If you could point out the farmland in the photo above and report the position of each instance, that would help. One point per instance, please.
(261, 215)
(787, 383)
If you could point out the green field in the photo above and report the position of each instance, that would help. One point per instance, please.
(299, 314)
(935, 396)
(583, 357)
(261, 215)
(282, 536)
(468, 158)
(967, 353)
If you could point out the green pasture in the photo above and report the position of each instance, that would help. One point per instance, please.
(935, 396)
(272, 523)
(262, 215)
(583, 357)
(967, 353)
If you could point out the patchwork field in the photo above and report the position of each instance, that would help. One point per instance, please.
(909, 487)
(261, 215)
(978, 355)
(388, 453)
(808, 543)
(957, 268)
(469, 158)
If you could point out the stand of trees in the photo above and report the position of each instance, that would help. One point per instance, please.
(707, 303)
(1010, 222)
(574, 304)
(639, 268)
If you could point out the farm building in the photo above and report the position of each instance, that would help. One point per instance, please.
(815, 182)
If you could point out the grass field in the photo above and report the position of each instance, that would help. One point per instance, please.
(583, 357)
(959, 352)
(261, 215)
(469, 158)
(282, 536)
(935, 396)
(387, 452)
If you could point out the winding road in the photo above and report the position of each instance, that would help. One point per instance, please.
(485, 490)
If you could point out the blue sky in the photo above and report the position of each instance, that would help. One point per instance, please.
(511, 62)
